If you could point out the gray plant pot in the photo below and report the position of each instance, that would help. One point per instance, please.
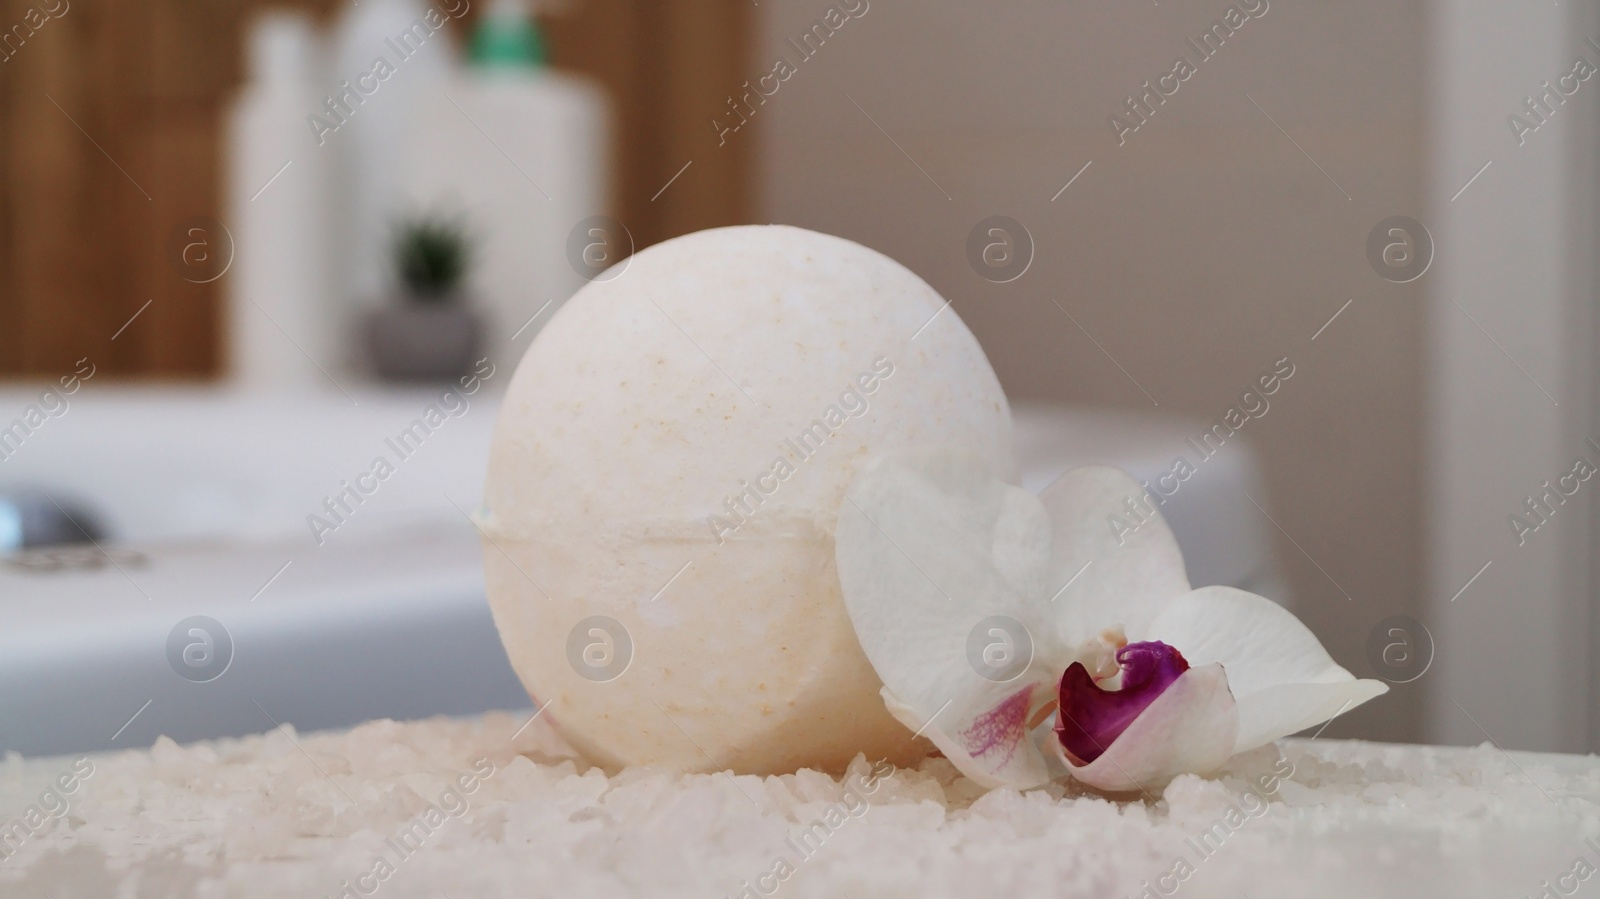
(417, 341)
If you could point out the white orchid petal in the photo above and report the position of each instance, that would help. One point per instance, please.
(939, 561)
(1107, 565)
(994, 747)
(1281, 676)
(1191, 728)
(1274, 712)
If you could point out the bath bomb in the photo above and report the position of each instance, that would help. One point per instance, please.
(664, 482)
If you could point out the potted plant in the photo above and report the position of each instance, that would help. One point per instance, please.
(431, 333)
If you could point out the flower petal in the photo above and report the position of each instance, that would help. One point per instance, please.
(938, 561)
(1190, 728)
(1282, 678)
(1090, 718)
(992, 747)
(1111, 562)
(1287, 709)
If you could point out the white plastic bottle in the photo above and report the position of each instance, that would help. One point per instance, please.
(280, 322)
(520, 153)
(389, 57)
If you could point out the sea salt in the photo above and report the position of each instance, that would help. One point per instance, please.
(286, 814)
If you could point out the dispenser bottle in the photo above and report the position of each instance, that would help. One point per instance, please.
(389, 64)
(519, 152)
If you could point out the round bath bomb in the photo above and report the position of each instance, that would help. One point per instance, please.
(664, 482)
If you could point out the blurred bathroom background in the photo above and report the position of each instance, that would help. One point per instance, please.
(231, 215)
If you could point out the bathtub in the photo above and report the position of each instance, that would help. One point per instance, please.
(247, 576)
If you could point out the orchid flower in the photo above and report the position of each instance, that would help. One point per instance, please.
(982, 606)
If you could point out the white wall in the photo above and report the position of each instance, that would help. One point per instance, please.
(1196, 254)
(1515, 251)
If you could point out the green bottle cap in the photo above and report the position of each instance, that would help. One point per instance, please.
(507, 37)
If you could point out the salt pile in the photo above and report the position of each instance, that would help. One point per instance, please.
(479, 808)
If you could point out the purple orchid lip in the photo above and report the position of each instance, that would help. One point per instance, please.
(1090, 719)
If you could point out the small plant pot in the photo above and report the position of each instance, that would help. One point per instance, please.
(417, 341)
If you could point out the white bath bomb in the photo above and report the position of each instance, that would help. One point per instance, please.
(664, 482)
